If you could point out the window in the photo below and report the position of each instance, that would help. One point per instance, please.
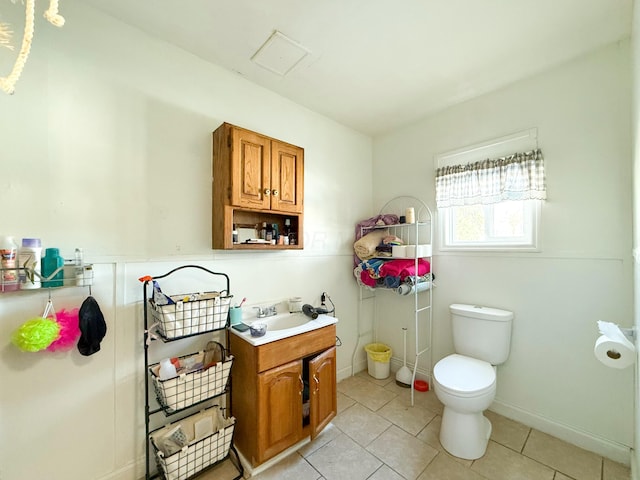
(491, 203)
(508, 224)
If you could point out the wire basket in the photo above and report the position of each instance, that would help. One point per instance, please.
(193, 453)
(193, 386)
(191, 314)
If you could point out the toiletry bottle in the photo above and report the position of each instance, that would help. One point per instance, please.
(276, 234)
(167, 370)
(29, 261)
(269, 232)
(287, 230)
(234, 234)
(263, 232)
(9, 262)
(79, 267)
(51, 262)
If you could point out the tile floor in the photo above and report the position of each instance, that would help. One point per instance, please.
(377, 435)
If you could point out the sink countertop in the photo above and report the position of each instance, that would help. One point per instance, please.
(273, 335)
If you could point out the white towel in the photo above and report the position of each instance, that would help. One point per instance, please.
(365, 248)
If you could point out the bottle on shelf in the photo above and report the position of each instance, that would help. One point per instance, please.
(269, 232)
(51, 262)
(29, 261)
(79, 267)
(287, 231)
(9, 263)
(263, 232)
(234, 234)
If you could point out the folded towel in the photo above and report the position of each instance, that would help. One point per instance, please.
(404, 268)
(365, 248)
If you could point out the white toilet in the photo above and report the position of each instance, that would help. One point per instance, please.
(465, 382)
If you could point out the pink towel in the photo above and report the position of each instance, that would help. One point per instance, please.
(404, 268)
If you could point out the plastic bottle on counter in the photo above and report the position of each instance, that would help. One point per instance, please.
(9, 263)
(51, 262)
(30, 262)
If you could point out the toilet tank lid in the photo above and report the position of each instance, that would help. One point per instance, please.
(478, 311)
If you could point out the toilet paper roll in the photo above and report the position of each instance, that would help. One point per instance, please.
(614, 353)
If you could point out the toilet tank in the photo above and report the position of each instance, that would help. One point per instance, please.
(481, 332)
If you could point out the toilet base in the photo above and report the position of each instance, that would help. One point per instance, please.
(465, 435)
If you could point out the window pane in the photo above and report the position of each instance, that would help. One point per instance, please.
(468, 224)
(508, 219)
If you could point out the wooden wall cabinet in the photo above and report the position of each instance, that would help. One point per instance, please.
(272, 383)
(255, 179)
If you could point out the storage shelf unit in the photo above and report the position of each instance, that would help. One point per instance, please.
(184, 397)
(417, 233)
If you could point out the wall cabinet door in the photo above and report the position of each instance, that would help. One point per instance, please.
(250, 169)
(279, 409)
(287, 179)
(322, 375)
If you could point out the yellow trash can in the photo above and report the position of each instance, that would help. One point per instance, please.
(378, 357)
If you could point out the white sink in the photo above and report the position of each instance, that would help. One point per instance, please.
(285, 320)
(283, 325)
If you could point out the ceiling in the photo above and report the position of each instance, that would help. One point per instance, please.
(375, 65)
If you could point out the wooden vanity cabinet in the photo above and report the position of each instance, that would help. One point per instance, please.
(255, 177)
(269, 391)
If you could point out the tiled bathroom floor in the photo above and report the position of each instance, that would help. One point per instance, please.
(377, 435)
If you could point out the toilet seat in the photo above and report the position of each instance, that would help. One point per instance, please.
(464, 376)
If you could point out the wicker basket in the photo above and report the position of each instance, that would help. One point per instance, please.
(198, 453)
(193, 387)
(185, 317)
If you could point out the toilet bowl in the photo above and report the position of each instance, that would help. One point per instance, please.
(465, 382)
(466, 387)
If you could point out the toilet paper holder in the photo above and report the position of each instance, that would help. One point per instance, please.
(630, 333)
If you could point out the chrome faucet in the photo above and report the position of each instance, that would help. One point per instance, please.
(268, 311)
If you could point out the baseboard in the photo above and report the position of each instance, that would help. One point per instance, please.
(615, 451)
(251, 471)
(635, 475)
(394, 366)
(127, 472)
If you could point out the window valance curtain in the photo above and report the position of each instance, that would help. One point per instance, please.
(516, 177)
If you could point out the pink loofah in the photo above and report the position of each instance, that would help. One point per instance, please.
(69, 330)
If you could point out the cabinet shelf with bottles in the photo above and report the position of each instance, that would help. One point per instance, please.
(248, 223)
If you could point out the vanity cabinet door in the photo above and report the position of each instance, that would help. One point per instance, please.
(279, 409)
(322, 375)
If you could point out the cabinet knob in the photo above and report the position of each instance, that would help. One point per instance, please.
(267, 192)
(275, 193)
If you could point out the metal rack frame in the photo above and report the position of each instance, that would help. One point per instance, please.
(424, 219)
(148, 337)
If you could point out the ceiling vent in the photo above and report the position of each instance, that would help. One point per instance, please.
(279, 54)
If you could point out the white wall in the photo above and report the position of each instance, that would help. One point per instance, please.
(635, 64)
(584, 271)
(106, 145)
